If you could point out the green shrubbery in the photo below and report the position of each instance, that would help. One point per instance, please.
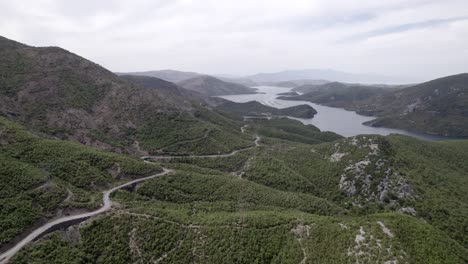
(35, 174)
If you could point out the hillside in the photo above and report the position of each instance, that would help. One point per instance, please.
(439, 106)
(337, 94)
(211, 86)
(61, 94)
(436, 107)
(254, 108)
(361, 199)
(42, 178)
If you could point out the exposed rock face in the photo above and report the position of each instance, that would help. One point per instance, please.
(370, 246)
(372, 177)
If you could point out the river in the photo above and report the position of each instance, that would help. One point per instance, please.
(338, 120)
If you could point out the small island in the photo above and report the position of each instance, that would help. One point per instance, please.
(254, 108)
(289, 94)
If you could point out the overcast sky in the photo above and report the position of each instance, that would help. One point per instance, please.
(417, 38)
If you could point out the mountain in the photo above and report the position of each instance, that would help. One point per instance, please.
(295, 83)
(439, 106)
(239, 80)
(324, 74)
(337, 94)
(335, 86)
(169, 89)
(167, 75)
(61, 94)
(254, 108)
(211, 86)
(178, 76)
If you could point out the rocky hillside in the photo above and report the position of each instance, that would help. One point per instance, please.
(64, 95)
(211, 86)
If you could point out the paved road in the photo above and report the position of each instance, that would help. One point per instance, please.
(107, 203)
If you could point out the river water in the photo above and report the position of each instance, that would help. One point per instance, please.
(338, 120)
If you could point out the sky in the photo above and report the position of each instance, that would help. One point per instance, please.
(418, 39)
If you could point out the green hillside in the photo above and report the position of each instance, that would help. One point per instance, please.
(59, 93)
(41, 178)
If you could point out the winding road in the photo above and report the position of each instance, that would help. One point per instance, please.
(257, 140)
(107, 203)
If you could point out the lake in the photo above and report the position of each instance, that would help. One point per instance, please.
(338, 120)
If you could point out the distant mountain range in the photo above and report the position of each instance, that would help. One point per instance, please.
(178, 76)
(288, 78)
(325, 74)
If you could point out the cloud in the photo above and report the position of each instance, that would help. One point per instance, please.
(404, 27)
(386, 37)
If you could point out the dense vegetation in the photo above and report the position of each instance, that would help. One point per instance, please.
(182, 134)
(39, 176)
(291, 130)
(285, 204)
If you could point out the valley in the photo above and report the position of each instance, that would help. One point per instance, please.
(334, 119)
(105, 168)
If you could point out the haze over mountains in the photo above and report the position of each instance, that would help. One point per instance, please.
(326, 74)
(312, 76)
